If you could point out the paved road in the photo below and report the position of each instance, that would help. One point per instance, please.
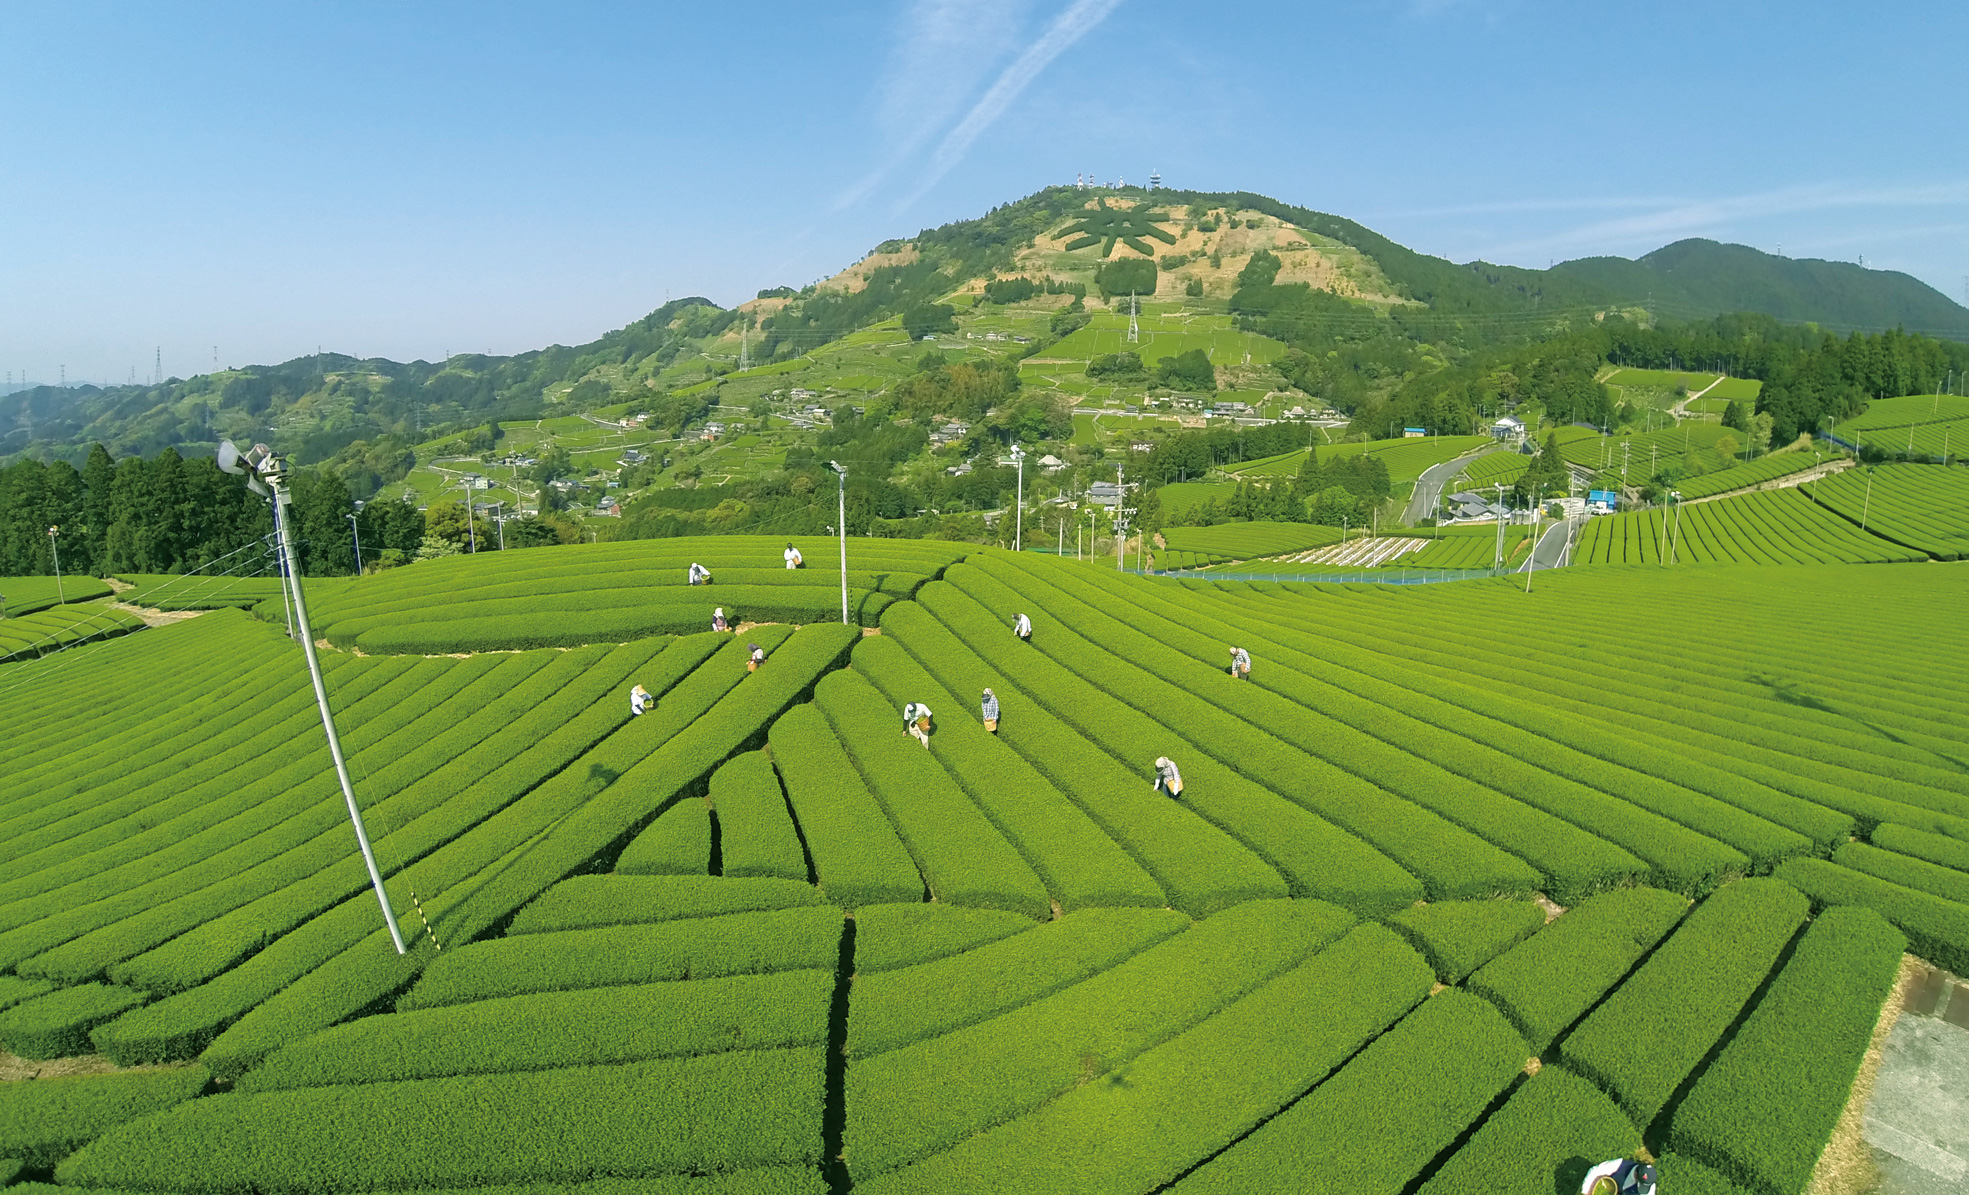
(1550, 550)
(1429, 488)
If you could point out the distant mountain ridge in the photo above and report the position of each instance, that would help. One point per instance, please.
(326, 402)
(1709, 278)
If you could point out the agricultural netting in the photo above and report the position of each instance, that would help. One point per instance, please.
(763, 938)
(1924, 507)
(1768, 527)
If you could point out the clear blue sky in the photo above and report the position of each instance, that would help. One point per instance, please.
(403, 180)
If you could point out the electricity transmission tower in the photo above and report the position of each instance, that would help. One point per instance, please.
(1134, 329)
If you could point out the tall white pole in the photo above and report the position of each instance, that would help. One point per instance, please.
(1019, 519)
(60, 593)
(276, 479)
(469, 528)
(357, 532)
(841, 525)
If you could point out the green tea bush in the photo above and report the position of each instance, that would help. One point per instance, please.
(572, 960)
(1908, 872)
(1243, 541)
(1189, 703)
(1805, 1039)
(721, 1113)
(13, 990)
(25, 595)
(1646, 1038)
(756, 832)
(560, 1029)
(857, 856)
(896, 1007)
(57, 1025)
(677, 843)
(588, 902)
(1939, 849)
(1592, 946)
(1182, 1101)
(44, 1120)
(31, 636)
(1554, 1128)
(1184, 845)
(1457, 937)
(905, 935)
(1373, 1126)
(1936, 929)
(964, 858)
(920, 1099)
(1078, 863)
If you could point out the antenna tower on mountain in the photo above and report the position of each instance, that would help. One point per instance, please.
(1155, 179)
(1080, 182)
(1134, 329)
(157, 365)
(745, 345)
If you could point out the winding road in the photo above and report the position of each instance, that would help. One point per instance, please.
(1429, 487)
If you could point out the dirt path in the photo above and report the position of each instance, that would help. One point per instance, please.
(1681, 409)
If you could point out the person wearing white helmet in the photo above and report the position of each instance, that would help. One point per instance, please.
(1167, 778)
(699, 575)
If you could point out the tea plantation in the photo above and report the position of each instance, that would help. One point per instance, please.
(1467, 887)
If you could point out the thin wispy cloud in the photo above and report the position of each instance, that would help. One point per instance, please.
(1674, 218)
(943, 57)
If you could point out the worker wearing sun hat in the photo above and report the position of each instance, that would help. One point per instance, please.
(1628, 1177)
(990, 710)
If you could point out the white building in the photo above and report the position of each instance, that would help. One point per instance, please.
(1508, 429)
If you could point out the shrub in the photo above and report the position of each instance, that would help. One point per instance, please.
(1372, 1127)
(1805, 1039)
(1691, 1177)
(905, 935)
(587, 902)
(13, 990)
(964, 859)
(1553, 1129)
(57, 1025)
(1121, 367)
(550, 1030)
(1079, 864)
(1188, 370)
(1457, 937)
(571, 960)
(1200, 871)
(1182, 1101)
(1936, 929)
(856, 853)
(1938, 849)
(1646, 1038)
(1592, 946)
(44, 1120)
(923, 1098)
(895, 1007)
(677, 843)
(1908, 872)
(1009, 290)
(727, 1112)
(928, 319)
(756, 832)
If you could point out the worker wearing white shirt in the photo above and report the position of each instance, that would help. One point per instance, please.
(792, 555)
(640, 700)
(1630, 1177)
(1022, 627)
(916, 720)
(1167, 778)
(699, 575)
(1240, 663)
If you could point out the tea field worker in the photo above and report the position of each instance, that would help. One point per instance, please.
(1621, 1176)
(1167, 778)
(990, 711)
(699, 575)
(1023, 629)
(718, 622)
(640, 701)
(1240, 664)
(756, 658)
(916, 720)
(792, 554)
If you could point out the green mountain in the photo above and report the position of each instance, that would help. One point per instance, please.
(1699, 277)
(1334, 278)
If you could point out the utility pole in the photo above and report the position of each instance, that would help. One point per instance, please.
(498, 517)
(470, 528)
(1019, 510)
(60, 593)
(272, 469)
(841, 493)
(357, 532)
(1121, 514)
